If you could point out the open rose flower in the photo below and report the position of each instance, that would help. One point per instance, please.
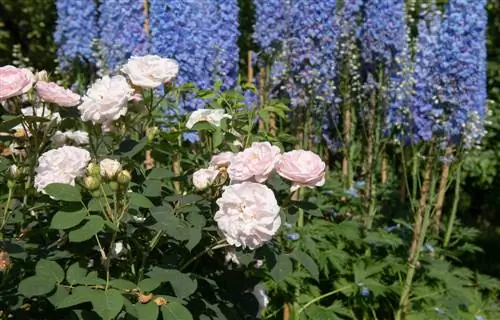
(204, 178)
(212, 116)
(106, 100)
(61, 165)
(254, 163)
(302, 168)
(76, 137)
(53, 93)
(248, 214)
(222, 159)
(15, 81)
(150, 71)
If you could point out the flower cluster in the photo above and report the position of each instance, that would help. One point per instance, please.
(271, 26)
(76, 30)
(122, 30)
(248, 214)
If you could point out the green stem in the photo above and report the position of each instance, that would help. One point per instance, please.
(6, 209)
(405, 295)
(454, 208)
(331, 293)
(219, 245)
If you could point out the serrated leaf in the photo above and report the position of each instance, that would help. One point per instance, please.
(63, 192)
(148, 284)
(36, 286)
(308, 263)
(139, 200)
(122, 284)
(75, 274)
(93, 225)
(67, 219)
(79, 295)
(107, 304)
(50, 270)
(282, 268)
(175, 311)
(147, 311)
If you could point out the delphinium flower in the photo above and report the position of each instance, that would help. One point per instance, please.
(225, 42)
(461, 70)
(314, 34)
(122, 30)
(76, 30)
(270, 28)
(348, 18)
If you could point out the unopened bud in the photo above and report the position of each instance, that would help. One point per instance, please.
(94, 170)
(92, 183)
(109, 168)
(151, 133)
(14, 172)
(123, 177)
(11, 184)
(114, 185)
(96, 193)
(42, 76)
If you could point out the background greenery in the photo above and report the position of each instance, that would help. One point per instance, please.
(26, 28)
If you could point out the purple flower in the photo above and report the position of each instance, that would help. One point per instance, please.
(293, 236)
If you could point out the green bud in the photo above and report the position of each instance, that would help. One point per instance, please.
(151, 133)
(92, 183)
(11, 184)
(114, 185)
(123, 177)
(94, 170)
(96, 193)
(14, 172)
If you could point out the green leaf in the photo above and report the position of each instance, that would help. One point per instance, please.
(79, 295)
(160, 173)
(63, 192)
(107, 303)
(93, 225)
(75, 274)
(139, 200)
(67, 219)
(92, 279)
(147, 311)
(94, 205)
(122, 284)
(36, 286)
(50, 270)
(175, 311)
(217, 138)
(308, 263)
(182, 284)
(194, 238)
(148, 285)
(152, 188)
(58, 296)
(138, 146)
(282, 268)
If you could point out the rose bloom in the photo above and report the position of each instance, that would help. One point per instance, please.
(212, 116)
(53, 93)
(204, 178)
(15, 81)
(303, 168)
(61, 165)
(77, 137)
(106, 100)
(109, 168)
(254, 163)
(248, 214)
(222, 159)
(150, 71)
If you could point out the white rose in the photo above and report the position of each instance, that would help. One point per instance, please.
(78, 137)
(212, 116)
(254, 163)
(248, 214)
(109, 168)
(204, 178)
(61, 165)
(58, 139)
(150, 71)
(106, 100)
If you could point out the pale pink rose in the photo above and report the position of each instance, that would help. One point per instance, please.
(303, 168)
(150, 71)
(53, 93)
(204, 178)
(254, 163)
(222, 159)
(14, 81)
(248, 214)
(109, 168)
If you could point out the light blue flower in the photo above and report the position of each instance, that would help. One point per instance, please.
(293, 236)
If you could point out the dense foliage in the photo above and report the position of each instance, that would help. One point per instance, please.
(341, 176)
